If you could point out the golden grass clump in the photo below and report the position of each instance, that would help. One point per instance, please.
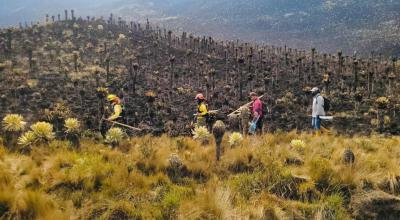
(20, 197)
(89, 170)
(29, 204)
(175, 178)
(297, 144)
(391, 183)
(2, 150)
(13, 123)
(321, 172)
(71, 171)
(241, 160)
(248, 185)
(171, 199)
(211, 203)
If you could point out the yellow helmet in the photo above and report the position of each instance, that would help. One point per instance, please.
(111, 97)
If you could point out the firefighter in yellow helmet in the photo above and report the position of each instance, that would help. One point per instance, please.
(202, 110)
(117, 108)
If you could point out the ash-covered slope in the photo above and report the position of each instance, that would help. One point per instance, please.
(157, 72)
(329, 25)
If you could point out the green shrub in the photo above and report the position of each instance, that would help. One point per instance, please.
(321, 172)
(248, 185)
(171, 198)
(84, 172)
(332, 209)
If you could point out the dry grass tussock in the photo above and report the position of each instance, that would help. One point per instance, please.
(275, 176)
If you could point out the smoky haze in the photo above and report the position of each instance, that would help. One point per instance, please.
(330, 25)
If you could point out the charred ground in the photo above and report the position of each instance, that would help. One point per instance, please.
(70, 60)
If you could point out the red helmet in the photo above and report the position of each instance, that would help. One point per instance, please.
(199, 97)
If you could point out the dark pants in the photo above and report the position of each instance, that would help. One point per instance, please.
(259, 125)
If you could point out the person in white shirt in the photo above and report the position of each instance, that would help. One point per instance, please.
(317, 108)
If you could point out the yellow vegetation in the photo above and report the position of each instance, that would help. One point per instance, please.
(297, 144)
(43, 131)
(13, 123)
(235, 139)
(201, 133)
(114, 136)
(72, 125)
(27, 139)
(178, 178)
(382, 102)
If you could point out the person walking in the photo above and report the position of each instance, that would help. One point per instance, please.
(117, 108)
(202, 110)
(317, 109)
(257, 114)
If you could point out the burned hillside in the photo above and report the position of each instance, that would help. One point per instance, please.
(69, 62)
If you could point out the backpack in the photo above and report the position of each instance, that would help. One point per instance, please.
(265, 109)
(327, 104)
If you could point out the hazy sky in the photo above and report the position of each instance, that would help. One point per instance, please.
(14, 11)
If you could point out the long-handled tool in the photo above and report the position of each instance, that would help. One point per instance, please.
(210, 112)
(123, 125)
(237, 111)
